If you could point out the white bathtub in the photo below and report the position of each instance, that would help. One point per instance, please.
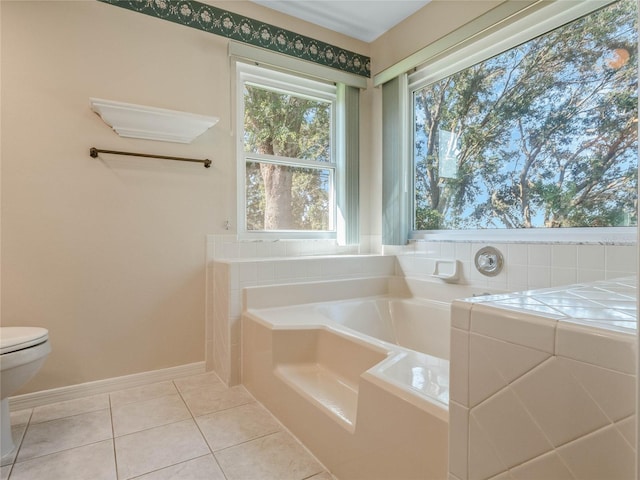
(417, 324)
(363, 382)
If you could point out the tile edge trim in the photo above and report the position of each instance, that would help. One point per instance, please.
(72, 392)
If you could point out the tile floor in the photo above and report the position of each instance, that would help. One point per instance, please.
(187, 429)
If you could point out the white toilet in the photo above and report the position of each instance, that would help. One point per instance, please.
(22, 353)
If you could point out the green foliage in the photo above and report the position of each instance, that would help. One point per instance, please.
(546, 132)
(280, 196)
(286, 125)
(255, 197)
(428, 219)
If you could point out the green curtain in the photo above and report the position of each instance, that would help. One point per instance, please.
(396, 184)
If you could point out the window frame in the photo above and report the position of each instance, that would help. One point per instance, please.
(470, 52)
(274, 79)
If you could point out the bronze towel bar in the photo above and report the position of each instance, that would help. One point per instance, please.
(93, 152)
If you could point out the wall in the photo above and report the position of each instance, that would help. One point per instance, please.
(526, 266)
(109, 253)
(430, 23)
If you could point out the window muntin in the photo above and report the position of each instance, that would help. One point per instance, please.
(288, 154)
(544, 134)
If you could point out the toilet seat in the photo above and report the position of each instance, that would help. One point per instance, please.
(13, 339)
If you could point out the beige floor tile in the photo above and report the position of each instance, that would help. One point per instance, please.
(64, 433)
(156, 437)
(144, 392)
(274, 457)
(4, 472)
(134, 417)
(94, 462)
(236, 425)
(206, 400)
(160, 447)
(21, 417)
(17, 433)
(198, 381)
(322, 476)
(203, 468)
(69, 408)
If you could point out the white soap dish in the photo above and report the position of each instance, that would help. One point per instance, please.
(447, 270)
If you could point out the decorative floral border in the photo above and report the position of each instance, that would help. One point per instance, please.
(237, 27)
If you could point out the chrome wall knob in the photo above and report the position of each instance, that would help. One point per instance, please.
(489, 261)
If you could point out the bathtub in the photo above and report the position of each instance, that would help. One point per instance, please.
(358, 370)
(400, 321)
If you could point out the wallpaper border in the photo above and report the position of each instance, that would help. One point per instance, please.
(194, 14)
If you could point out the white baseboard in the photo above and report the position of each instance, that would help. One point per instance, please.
(45, 397)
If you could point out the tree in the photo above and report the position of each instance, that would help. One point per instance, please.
(285, 197)
(544, 134)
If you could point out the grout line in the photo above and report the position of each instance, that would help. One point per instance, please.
(113, 438)
(193, 418)
(72, 415)
(10, 470)
(286, 430)
(58, 451)
(153, 428)
(168, 466)
(144, 399)
(24, 435)
(19, 446)
(62, 451)
(222, 409)
(264, 435)
(215, 459)
(310, 477)
(615, 424)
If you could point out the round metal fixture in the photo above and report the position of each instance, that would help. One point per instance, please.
(489, 261)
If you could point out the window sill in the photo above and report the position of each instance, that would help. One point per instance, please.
(285, 235)
(600, 236)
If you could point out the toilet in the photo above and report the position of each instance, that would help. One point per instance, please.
(22, 353)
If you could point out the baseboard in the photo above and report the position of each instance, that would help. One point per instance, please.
(61, 394)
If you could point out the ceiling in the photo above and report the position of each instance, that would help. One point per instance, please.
(365, 20)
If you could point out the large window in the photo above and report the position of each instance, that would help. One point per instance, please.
(288, 153)
(541, 135)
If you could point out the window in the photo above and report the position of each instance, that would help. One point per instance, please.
(288, 154)
(541, 135)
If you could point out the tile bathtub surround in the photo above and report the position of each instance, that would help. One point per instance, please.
(193, 427)
(558, 402)
(227, 277)
(228, 246)
(526, 266)
(278, 262)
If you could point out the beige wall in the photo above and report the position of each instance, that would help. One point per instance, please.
(424, 27)
(109, 253)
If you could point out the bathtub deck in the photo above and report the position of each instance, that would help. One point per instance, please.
(333, 393)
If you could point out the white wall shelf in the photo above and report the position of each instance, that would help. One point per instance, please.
(151, 123)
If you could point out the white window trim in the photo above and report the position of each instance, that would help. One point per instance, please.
(253, 54)
(530, 23)
(577, 235)
(447, 63)
(316, 90)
